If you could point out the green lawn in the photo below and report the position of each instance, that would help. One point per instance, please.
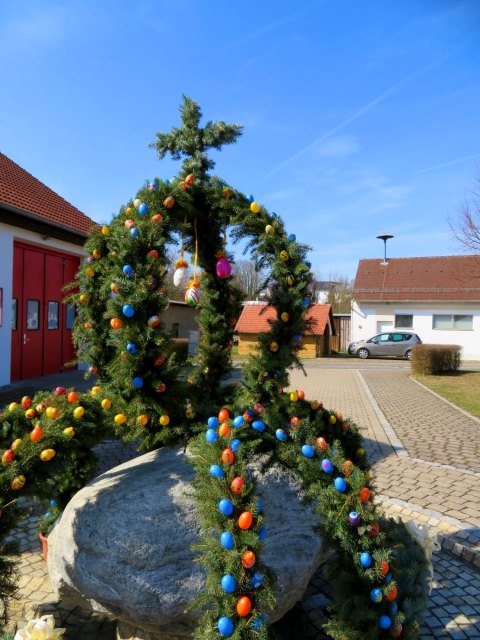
(462, 388)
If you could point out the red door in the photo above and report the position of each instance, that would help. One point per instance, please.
(41, 333)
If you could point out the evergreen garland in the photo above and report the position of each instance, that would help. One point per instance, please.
(146, 394)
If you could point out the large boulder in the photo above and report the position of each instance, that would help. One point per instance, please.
(123, 544)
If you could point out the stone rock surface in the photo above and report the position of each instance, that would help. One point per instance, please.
(123, 544)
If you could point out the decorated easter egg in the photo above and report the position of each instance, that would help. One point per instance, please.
(192, 296)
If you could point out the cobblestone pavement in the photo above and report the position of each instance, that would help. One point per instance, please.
(400, 420)
(418, 471)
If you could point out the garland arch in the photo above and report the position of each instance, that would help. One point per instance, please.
(146, 393)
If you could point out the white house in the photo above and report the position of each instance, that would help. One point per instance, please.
(41, 246)
(438, 298)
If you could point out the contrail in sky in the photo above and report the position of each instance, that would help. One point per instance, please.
(393, 89)
(446, 164)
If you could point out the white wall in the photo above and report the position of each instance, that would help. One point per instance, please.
(366, 315)
(7, 236)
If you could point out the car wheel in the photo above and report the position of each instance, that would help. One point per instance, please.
(408, 355)
(363, 353)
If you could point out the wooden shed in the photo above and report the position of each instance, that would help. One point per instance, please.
(254, 320)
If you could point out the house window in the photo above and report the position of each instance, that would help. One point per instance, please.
(33, 315)
(52, 315)
(449, 322)
(175, 329)
(403, 321)
(14, 314)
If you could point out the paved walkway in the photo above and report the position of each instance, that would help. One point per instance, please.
(425, 463)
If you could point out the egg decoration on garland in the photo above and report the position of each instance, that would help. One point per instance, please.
(225, 626)
(193, 293)
(223, 266)
(128, 311)
(181, 275)
(143, 209)
(254, 207)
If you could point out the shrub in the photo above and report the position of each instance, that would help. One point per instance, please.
(432, 359)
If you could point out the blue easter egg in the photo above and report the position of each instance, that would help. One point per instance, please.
(376, 595)
(238, 421)
(225, 507)
(128, 311)
(256, 580)
(211, 436)
(134, 232)
(251, 198)
(258, 622)
(213, 422)
(340, 485)
(128, 270)
(132, 348)
(225, 626)
(292, 237)
(384, 622)
(258, 425)
(327, 465)
(229, 584)
(47, 515)
(53, 502)
(308, 451)
(365, 559)
(393, 608)
(280, 434)
(143, 209)
(235, 444)
(259, 505)
(227, 540)
(137, 382)
(216, 471)
(388, 578)
(306, 302)
(262, 534)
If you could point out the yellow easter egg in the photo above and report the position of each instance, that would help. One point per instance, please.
(78, 413)
(105, 230)
(120, 418)
(142, 420)
(90, 272)
(164, 419)
(69, 431)
(84, 298)
(284, 317)
(95, 390)
(12, 406)
(254, 207)
(269, 229)
(333, 419)
(106, 403)
(47, 454)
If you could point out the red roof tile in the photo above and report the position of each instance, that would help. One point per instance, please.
(254, 318)
(20, 190)
(416, 279)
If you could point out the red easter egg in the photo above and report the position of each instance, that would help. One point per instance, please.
(159, 360)
(245, 520)
(36, 434)
(237, 485)
(393, 594)
(227, 456)
(347, 467)
(374, 530)
(384, 568)
(156, 218)
(26, 402)
(168, 202)
(322, 443)
(301, 395)
(248, 559)
(396, 630)
(223, 415)
(295, 422)
(364, 494)
(72, 397)
(244, 606)
(8, 457)
(116, 323)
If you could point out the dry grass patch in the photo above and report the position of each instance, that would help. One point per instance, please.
(461, 388)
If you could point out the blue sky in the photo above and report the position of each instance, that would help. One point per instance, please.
(359, 117)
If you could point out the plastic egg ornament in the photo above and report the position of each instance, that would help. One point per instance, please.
(105, 230)
(223, 268)
(269, 229)
(258, 425)
(225, 507)
(18, 482)
(327, 466)
(227, 540)
(128, 311)
(137, 382)
(143, 209)
(365, 559)
(237, 485)
(192, 296)
(152, 255)
(211, 436)
(47, 454)
(281, 435)
(284, 256)
(244, 606)
(128, 271)
(129, 224)
(153, 322)
(137, 202)
(354, 518)
(376, 595)
(245, 520)
(216, 471)
(168, 202)
(225, 626)
(254, 207)
(181, 276)
(340, 484)
(308, 451)
(153, 185)
(384, 622)
(134, 232)
(164, 420)
(235, 445)
(229, 584)
(274, 346)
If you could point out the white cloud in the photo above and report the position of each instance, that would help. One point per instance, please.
(337, 147)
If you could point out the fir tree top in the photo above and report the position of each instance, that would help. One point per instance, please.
(192, 141)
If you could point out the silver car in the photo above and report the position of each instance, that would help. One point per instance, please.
(394, 343)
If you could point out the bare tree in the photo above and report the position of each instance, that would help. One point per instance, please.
(248, 278)
(466, 229)
(336, 290)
